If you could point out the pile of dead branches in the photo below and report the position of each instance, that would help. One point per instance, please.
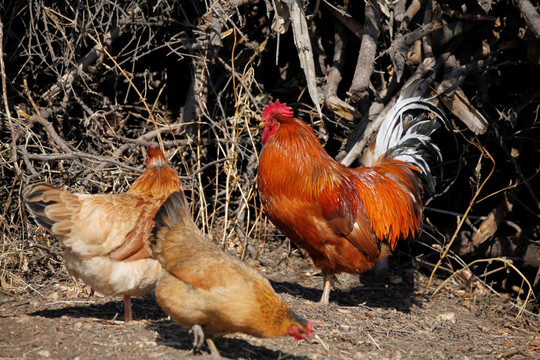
(87, 86)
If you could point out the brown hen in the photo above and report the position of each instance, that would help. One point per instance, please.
(214, 293)
(105, 236)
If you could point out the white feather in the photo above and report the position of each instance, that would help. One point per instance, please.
(407, 137)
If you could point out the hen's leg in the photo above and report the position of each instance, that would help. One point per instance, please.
(128, 315)
(214, 352)
(198, 337)
(325, 298)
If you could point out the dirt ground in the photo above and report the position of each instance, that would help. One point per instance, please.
(58, 319)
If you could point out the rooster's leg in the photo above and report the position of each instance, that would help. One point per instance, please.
(128, 315)
(325, 298)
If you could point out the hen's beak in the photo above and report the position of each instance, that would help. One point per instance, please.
(261, 124)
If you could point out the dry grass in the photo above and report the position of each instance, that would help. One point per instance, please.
(90, 85)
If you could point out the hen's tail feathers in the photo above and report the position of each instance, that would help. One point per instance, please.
(174, 210)
(37, 197)
(405, 134)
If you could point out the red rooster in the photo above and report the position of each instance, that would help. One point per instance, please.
(346, 219)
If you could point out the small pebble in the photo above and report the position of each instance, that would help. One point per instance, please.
(449, 316)
(44, 353)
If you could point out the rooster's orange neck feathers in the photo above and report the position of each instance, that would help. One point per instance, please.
(296, 154)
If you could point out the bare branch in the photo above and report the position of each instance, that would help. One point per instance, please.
(366, 56)
(531, 16)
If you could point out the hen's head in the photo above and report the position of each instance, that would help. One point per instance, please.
(301, 329)
(155, 157)
(272, 115)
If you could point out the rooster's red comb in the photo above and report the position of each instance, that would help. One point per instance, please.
(276, 108)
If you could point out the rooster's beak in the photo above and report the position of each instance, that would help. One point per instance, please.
(261, 124)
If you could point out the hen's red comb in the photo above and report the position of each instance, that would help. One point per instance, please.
(276, 108)
(155, 155)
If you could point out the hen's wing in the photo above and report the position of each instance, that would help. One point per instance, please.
(90, 225)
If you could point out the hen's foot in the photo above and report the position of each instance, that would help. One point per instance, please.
(214, 352)
(198, 337)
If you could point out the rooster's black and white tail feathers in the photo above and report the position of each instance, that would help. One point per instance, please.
(405, 134)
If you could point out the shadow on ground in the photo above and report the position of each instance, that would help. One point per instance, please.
(369, 293)
(144, 308)
(173, 335)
